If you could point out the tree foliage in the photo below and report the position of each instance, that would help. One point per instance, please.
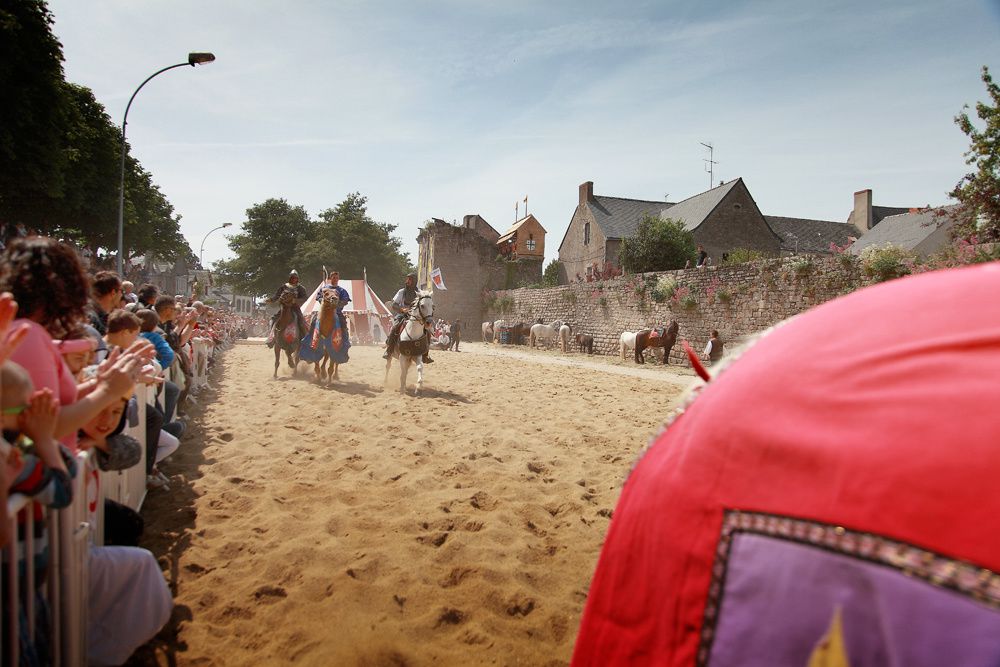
(658, 245)
(265, 249)
(60, 151)
(278, 237)
(550, 277)
(979, 191)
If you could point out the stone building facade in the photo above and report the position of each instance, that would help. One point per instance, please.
(737, 300)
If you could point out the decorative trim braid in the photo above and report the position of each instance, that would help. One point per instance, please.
(960, 576)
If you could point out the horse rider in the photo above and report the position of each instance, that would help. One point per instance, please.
(300, 297)
(333, 282)
(401, 307)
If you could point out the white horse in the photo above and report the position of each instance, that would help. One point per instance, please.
(544, 332)
(409, 348)
(488, 332)
(564, 332)
(626, 344)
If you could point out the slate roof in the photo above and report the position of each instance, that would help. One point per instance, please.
(906, 231)
(813, 236)
(879, 213)
(693, 210)
(619, 218)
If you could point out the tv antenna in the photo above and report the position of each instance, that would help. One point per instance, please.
(709, 164)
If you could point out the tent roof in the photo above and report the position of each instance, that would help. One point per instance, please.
(363, 299)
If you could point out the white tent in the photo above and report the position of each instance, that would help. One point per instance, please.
(367, 316)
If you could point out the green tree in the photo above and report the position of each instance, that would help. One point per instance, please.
(265, 249)
(345, 238)
(658, 245)
(32, 115)
(550, 277)
(979, 191)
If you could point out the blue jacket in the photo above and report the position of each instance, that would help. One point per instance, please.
(164, 353)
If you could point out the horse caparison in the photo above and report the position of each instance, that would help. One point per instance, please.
(286, 319)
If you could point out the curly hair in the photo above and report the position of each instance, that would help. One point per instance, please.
(47, 281)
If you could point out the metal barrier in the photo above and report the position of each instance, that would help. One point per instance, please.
(201, 348)
(69, 532)
(128, 487)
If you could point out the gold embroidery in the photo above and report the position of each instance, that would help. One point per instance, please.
(830, 651)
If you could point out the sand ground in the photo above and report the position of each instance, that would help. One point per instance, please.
(352, 526)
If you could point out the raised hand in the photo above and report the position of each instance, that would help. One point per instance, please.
(38, 421)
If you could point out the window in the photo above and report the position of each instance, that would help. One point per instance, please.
(530, 243)
(586, 234)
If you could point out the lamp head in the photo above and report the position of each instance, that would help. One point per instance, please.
(227, 224)
(200, 58)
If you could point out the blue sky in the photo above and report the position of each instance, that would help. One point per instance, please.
(439, 109)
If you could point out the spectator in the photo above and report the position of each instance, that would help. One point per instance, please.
(456, 335)
(106, 296)
(128, 292)
(714, 349)
(702, 256)
(147, 295)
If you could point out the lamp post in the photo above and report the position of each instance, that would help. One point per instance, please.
(201, 254)
(193, 59)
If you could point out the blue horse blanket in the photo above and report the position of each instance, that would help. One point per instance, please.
(336, 344)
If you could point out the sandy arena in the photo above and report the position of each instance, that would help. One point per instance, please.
(352, 526)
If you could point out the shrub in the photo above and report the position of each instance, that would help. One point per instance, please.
(802, 267)
(550, 278)
(744, 255)
(723, 296)
(569, 296)
(603, 302)
(886, 262)
(658, 245)
(689, 302)
(664, 289)
(503, 305)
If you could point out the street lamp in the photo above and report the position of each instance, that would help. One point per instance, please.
(193, 59)
(201, 254)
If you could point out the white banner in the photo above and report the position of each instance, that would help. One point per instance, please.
(437, 279)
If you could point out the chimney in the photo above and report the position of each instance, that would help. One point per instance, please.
(861, 216)
(586, 192)
(469, 221)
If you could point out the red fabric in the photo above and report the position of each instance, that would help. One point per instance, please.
(876, 411)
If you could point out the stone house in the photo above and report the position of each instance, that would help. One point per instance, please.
(720, 219)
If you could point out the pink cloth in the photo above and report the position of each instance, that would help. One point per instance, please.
(40, 356)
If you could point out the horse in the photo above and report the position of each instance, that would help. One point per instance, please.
(286, 331)
(410, 348)
(327, 341)
(564, 332)
(626, 343)
(586, 343)
(543, 332)
(488, 331)
(656, 338)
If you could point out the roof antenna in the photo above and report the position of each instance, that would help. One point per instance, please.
(709, 164)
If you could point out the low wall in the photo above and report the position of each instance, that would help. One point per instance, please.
(737, 300)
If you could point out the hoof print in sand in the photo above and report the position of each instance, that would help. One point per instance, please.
(269, 593)
(450, 617)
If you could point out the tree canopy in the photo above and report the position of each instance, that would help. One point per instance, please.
(60, 151)
(658, 245)
(979, 191)
(278, 237)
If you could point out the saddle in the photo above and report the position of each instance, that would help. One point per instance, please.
(657, 332)
(413, 348)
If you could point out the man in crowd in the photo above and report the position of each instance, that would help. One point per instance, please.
(456, 335)
(147, 295)
(106, 294)
(401, 308)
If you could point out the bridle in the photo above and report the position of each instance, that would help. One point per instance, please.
(416, 313)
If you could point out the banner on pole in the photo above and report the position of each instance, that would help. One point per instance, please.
(437, 279)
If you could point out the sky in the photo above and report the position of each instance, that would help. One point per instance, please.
(442, 109)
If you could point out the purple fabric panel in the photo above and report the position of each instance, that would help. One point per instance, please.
(780, 596)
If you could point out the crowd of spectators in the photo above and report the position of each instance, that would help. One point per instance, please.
(73, 347)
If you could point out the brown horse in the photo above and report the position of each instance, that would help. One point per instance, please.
(662, 338)
(327, 315)
(286, 331)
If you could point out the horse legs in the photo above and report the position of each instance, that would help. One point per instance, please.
(277, 357)
(404, 368)
(388, 363)
(334, 374)
(420, 375)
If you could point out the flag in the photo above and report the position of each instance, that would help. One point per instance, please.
(437, 279)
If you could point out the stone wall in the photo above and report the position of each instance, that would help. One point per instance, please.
(737, 300)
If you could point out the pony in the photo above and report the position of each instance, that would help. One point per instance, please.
(586, 343)
(543, 332)
(327, 341)
(626, 343)
(657, 339)
(286, 330)
(412, 342)
(488, 331)
(564, 332)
